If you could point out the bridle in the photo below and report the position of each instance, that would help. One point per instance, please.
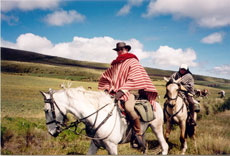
(89, 129)
(52, 104)
(173, 99)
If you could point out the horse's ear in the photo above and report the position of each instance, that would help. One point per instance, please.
(166, 79)
(43, 94)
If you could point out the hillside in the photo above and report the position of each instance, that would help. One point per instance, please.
(20, 61)
(26, 56)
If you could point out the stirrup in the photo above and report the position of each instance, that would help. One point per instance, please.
(192, 122)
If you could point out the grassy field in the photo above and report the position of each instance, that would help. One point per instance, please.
(23, 129)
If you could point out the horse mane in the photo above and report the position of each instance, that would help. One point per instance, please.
(96, 99)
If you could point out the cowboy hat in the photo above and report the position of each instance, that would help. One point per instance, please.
(121, 45)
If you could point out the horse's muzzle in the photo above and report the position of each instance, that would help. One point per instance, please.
(54, 134)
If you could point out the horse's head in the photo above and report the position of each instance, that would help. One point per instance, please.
(172, 88)
(55, 116)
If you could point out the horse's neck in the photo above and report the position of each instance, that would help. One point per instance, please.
(82, 105)
(81, 109)
(85, 103)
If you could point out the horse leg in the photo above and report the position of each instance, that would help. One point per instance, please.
(168, 130)
(182, 137)
(111, 148)
(194, 134)
(92, 149)
(158, 131)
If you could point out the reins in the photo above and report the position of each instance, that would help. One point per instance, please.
(89, 129)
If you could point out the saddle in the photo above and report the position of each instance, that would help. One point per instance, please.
(196, 103)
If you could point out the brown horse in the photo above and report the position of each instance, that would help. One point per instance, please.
(197, 92)
(204, 92)
(201, 93)
(176, 112)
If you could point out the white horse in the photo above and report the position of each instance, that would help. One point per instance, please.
(176, 112)
(96, 110)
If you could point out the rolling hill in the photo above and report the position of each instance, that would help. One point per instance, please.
(26, 62)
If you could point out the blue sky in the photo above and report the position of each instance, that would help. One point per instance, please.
(162, 33)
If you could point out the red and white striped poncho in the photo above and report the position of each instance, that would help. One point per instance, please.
(126, 75)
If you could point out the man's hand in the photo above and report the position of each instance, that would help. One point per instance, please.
(119, 94)
(183, 88)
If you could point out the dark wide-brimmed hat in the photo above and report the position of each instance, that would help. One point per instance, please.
(121, 45)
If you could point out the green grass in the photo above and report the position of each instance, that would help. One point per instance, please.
(53, 71)
(214, 135)
(23, 128)
(21, 93)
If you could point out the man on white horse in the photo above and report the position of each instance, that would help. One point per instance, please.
(126, 74)
(187, 81)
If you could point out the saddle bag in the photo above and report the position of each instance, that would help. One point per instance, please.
(144, 110)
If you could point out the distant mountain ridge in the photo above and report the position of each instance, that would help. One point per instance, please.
(9, 54)
(27, 56)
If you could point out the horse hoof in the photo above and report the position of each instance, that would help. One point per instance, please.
(143, 151)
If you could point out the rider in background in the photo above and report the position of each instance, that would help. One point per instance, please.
(124, 76)
(187, 81)
(222, 94)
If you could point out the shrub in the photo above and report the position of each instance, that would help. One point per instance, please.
(225, 106)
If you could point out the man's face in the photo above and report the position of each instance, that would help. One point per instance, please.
(182, 71)
(121, 51)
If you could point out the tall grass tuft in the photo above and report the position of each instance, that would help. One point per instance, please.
(225, 106)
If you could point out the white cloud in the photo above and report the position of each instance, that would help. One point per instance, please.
(11, 20)
(62, 17)
(168, 57)
(126, 8)
(28, 5)
(8, 44)
(213, 38)
(98, 49)
(33, 42)
(223, 70)
(206, 13)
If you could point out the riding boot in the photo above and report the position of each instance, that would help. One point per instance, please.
(193, 122)
(192, 110)
(137, 129)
